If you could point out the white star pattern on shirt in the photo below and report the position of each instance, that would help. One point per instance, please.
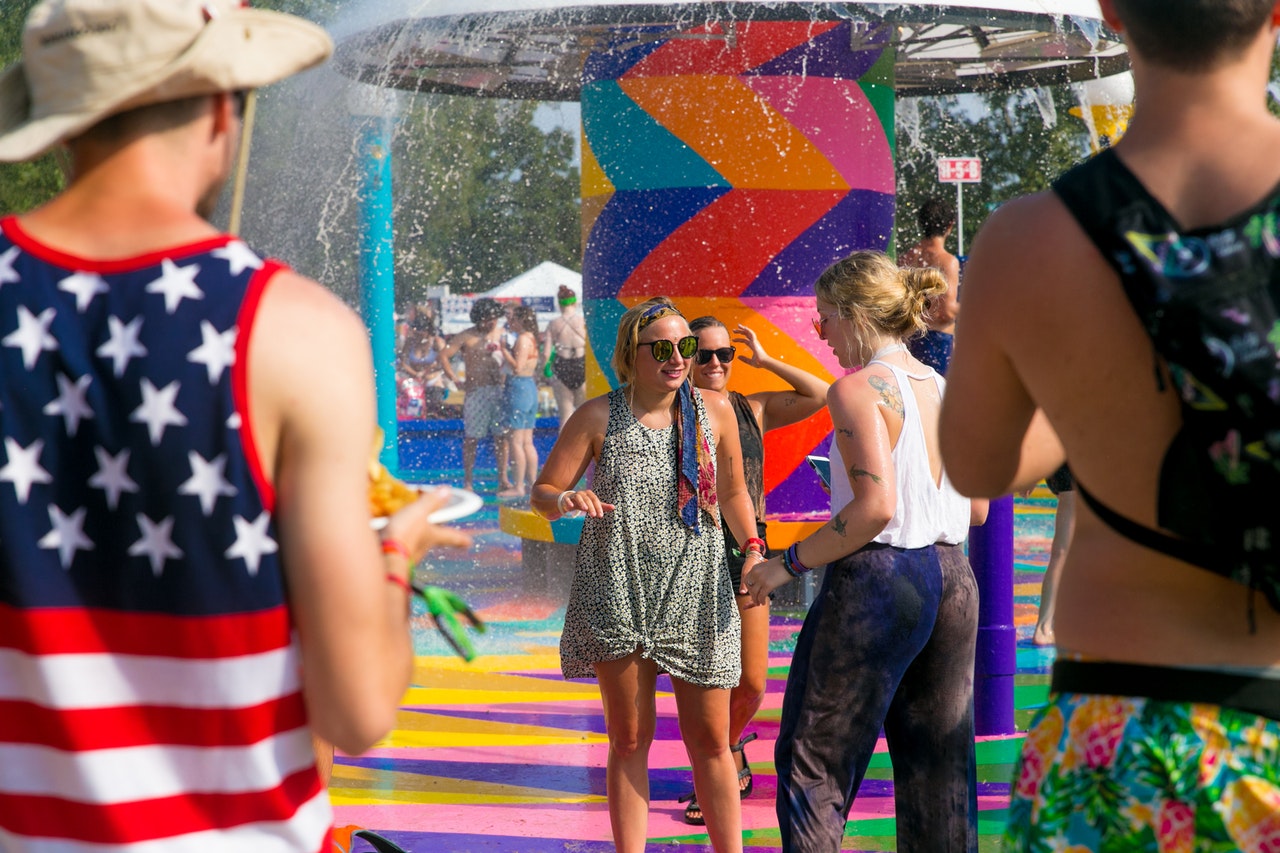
(113, 475)
(207, 481)
(8, 274)
(252, 542)
(67, 535)
(122, 344)
(176, 283)
(157, 410)
(70, 402)
(23, 467)
(85, 286)
(217, 350)
(233, 420)
(239, 256)
(156, 543)
(32, 335)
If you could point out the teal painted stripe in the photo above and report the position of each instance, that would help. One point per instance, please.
(633, 149)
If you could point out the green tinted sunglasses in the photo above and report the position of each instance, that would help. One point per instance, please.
(664, 349)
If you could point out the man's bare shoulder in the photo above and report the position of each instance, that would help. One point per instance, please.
(1029, 246)
(305, 306)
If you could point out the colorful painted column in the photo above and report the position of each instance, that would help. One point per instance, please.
(373, 117)
(726, 166)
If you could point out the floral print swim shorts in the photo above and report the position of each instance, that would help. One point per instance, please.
(1110, 774)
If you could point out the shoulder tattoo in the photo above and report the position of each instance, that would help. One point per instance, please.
(845, 431)
(890, 396)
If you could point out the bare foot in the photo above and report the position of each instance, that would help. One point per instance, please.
(511, 492)
(1043, 636)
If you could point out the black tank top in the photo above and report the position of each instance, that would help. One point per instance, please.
(752, 441)
(1207, 297)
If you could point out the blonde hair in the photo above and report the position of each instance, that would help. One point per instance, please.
(877, 294)
(624, 352)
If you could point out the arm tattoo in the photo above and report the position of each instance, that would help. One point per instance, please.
(838, 524)
(890, 396)
(847, 433)
(855, 472)
(789, 400)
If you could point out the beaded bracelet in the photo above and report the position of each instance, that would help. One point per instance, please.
(755, 543)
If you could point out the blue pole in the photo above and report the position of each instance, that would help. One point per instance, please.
(377, 274)
(991, 555)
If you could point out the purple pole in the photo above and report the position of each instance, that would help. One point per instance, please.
(991, 555)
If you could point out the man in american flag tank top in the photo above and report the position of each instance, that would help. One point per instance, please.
(189, 585)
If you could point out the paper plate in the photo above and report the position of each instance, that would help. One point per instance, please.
(460, 504)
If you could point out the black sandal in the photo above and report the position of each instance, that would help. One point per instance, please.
(693, 811)
(745, 772)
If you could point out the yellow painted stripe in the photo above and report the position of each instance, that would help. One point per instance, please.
(365, 786)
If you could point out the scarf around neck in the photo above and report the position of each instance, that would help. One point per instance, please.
(695, 478)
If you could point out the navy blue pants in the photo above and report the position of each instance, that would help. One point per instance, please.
(889, 642)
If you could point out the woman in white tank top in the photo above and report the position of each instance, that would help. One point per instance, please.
(889, 640)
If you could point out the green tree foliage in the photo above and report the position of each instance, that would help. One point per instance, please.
(1020, 153)
(482, 193)
(23, 185)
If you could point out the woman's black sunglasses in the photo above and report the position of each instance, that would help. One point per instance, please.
(663, 349)
(724, 354)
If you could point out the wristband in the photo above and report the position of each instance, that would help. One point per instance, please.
(786, 564)
(395, 546)
(755, 543)
(394, 578)
(793, 557)
(560, 501)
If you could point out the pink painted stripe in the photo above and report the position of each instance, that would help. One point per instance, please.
(836, 117)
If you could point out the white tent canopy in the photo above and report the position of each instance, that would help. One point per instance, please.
(537, 287)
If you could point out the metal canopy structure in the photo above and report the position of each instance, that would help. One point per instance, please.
(535, 50)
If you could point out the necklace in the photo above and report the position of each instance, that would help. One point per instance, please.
(886, 351)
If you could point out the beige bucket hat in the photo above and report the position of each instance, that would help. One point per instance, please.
(84, 60)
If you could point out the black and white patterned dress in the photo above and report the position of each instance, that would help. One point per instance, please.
(643, 579)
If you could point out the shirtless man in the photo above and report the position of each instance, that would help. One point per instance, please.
(567, 334)
(937, 219)
(482, 416)
(1161, 663)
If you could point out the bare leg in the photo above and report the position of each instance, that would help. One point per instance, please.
(468, 461)
(1063, 526)
(520, 445)
(745, 699)
(704, 727)
(627, 689)
(531, 461)
(502, 444)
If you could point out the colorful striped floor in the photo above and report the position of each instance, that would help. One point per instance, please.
(504, 755)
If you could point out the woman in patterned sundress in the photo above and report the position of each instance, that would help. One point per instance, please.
(651, 591)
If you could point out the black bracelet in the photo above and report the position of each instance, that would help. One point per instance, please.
(786, 564)
(793, 556)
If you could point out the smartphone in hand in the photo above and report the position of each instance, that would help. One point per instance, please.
(822, 467)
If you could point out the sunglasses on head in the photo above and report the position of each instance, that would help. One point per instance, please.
(723, 354)
(664, 349)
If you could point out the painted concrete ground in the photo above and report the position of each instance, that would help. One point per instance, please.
(504, 756)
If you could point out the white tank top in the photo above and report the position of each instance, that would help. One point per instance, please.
(926, 512)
